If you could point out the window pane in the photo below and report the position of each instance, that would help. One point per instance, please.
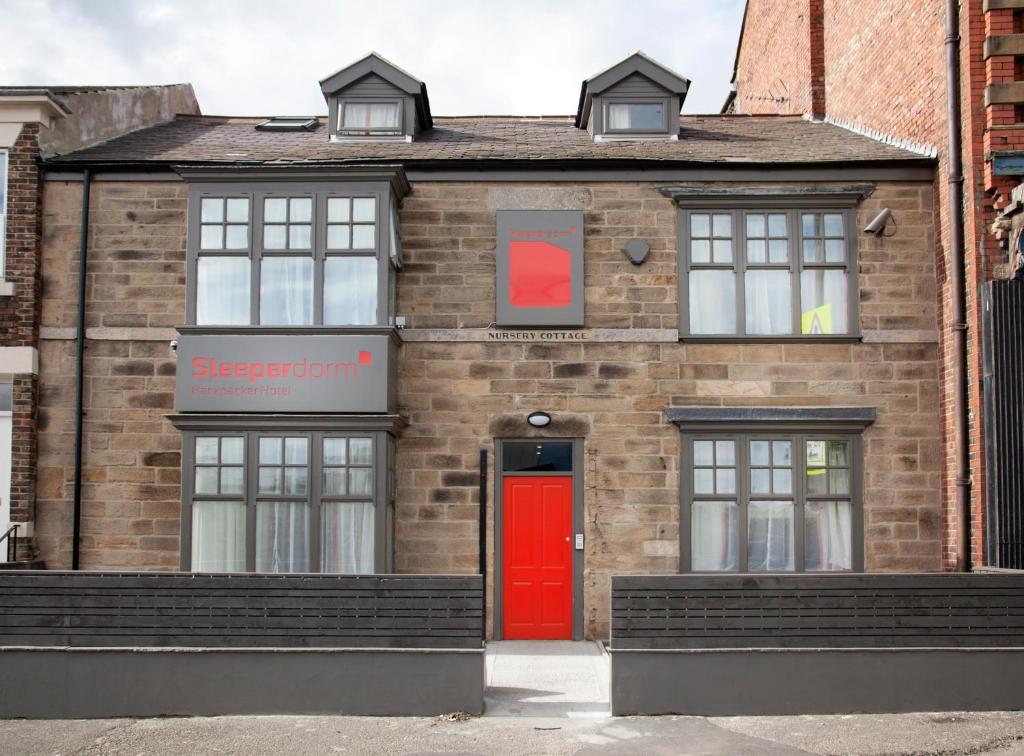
(300, 209)
(270, 451)
(337, 209)
(725, 453)
(334, 451)
(703, 452)
(725, 481)
(714, 537)
(212, 210)
(833, 224)
(335, 481)
(218, 536)
(810, 225)
(549, 456)
(275, 237)
(645, 117)
(369, 117)
(703, 480)
(206, 480)
(700, 226)
(364, 237)
(232, 450)
(835, 250)
(286, 291)
(350, 291)
(770, 536)
(339, 237)
(769, 305)
(777, 225)
(781, 453)
(300, 237)
(812, 250)
(270, 480)
(222, 291)
(206, 450)
(722, 224)
(760, 481)
(212, 237)
(238, 210)
(712, 301)
(755, 225)
(700, 251)
(347, 538)
(823, 304)
(721, 251)
(757, 251)
(838, 453)
(237, 237)
(759, 453)
(282, 536)
(828, 536)
(360, 451)
(782, 480)
(295, 481)
(231, 480)
(296, 451)
(275, 210)
(778, 251)
(364, 209)
(360, 481)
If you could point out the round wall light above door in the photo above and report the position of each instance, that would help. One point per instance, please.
(538, 419)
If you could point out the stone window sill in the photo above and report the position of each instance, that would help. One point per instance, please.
(6, 288)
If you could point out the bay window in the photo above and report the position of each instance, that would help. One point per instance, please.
(767, 272)
(771, 502)
(287, 501)
(306, 256)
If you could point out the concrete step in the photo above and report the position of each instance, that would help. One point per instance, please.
(34, 564)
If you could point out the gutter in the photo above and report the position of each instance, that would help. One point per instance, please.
(957, 301)
(83, 250)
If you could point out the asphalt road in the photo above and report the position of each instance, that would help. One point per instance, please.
(917, 734)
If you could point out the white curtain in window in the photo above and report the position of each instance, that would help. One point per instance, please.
(770, 536)
(286, 291)
(714, 538)
(618, 117)
(350, 291)
(218, 536)
(282, 536)
(712, 301)
(370, 116)
(828, 536)
(347, 538)
(769, 305)
(222, 291)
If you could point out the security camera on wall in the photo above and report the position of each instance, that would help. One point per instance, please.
(877, 226)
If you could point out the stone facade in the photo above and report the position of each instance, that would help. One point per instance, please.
(459, 395)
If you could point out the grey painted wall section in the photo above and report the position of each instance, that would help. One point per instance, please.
(65, 683)
(741, 682)
(297, 373)
(98, 115)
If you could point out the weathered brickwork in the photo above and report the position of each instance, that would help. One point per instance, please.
(459, 396)
(131, 472)
(903, 97)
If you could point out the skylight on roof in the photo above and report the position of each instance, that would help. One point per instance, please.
(288, 123)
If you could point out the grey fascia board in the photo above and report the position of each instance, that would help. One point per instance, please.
(850, 416)
(219, 421)
(846, 196)
(641, 64)
(391, 173)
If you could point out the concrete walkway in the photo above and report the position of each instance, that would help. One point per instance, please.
(546, 679)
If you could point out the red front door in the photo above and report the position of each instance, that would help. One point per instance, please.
(537, 562)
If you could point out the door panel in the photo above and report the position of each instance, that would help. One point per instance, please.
(537, 569)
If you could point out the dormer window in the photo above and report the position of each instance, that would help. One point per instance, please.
(373, 99)
(371, 118)
(636, 99)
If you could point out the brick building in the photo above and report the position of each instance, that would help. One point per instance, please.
(667, 335)
(835, 68)
(38, 123)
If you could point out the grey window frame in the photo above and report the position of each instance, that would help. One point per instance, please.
(398, 131)
(252, 429)
(798, 435)
(612, 99)
(256, 192)
(738, 207)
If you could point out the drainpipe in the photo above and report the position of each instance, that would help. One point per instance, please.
(956, 254)
(83, 249)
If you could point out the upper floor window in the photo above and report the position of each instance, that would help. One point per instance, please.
(768, 273)
(289, 259)
(636, 117)
(370, 118)
(3, 212)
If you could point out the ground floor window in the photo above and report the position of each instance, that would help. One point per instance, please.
(287, 501)
(771, 502)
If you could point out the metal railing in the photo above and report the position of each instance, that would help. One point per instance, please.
(11, 536)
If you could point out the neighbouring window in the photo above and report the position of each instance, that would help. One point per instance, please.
(770, 502)
(768, 273)
(638, 117)
(287, 502)
(295, 260)
(3, 212)
(370, 118)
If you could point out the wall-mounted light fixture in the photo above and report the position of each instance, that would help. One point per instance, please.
(636, 251)
(538, 419)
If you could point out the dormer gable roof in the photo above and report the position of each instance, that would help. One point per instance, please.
(637, 63)
(375, 63)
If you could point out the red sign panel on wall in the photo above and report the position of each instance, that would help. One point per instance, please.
(540, 268)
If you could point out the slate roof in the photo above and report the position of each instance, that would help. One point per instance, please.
(495, 139)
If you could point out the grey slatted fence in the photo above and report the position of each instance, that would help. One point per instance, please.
(835, 611)
(93, 609)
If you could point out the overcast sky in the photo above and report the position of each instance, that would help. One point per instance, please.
(265, 57)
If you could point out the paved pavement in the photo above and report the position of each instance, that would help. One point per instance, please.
(542, 698)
